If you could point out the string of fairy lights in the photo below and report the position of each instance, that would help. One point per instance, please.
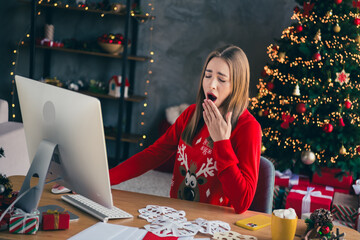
(145, 18)
(149, 71)
(277, 108)
(14, 61)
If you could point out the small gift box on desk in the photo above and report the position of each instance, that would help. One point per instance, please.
(289, 179)
(345, 207)
(308, 199)
(22, 222)
(55, 220)
(333, 177)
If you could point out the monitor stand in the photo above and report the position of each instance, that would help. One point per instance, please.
(39, 168)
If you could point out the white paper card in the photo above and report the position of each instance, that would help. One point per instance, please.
(154, 212)
(106, 231)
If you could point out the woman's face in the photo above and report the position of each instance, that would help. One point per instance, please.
(216, 83)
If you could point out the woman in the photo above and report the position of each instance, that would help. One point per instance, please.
(217, 141)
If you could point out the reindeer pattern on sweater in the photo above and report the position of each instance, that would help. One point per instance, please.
(194, 176)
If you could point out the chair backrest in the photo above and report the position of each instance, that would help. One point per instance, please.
(265, 187)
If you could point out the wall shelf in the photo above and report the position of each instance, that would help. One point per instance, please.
(121, 133)
(99, 54)
(133, 98)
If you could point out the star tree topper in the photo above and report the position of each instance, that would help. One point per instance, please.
(342, 77)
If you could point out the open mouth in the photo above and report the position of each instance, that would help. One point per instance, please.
(212, 97)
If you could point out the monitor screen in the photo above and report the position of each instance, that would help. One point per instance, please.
(71, 124)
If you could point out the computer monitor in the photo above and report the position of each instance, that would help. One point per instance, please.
(65, 128)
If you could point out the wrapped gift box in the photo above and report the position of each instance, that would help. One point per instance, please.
(344, 223)
(279, 198)
(345, 207)
(54, 220)
(21, 222)
(288, 179)
(328, 178)
(4, 223)
(329, 188)
(308, 199)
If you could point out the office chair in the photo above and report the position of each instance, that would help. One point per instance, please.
(263, 198)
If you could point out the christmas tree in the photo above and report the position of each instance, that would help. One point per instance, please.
(308, 103)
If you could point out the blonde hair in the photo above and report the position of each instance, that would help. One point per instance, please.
(238, 99)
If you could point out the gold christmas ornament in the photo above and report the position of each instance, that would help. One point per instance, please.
(337, 28)
(297, 91)
(263, 149)
(357, 39)
(260, 113)
(308, 157)
(329, 13)
(329, 80)
(342, 150)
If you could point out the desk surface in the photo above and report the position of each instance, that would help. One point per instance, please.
(131, 202)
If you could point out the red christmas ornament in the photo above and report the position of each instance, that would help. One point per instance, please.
(299, 28)
(270, 86)
(347, 104)
(301, 108)
(264, 73)
(358, 149)
(328, 128)
(338, 1)
(341, 122)
(317, 56)
(357, 21)
(265, 112)
(325, 229)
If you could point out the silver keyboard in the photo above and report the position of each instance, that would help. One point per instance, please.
(95, 209)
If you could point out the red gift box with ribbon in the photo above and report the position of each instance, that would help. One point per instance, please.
(328, 177)
(22, 222)
(308, 199)
(330, 188)
(54, 220)
(289, 179)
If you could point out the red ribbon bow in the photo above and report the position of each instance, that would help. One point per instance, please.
(307, 8)
(356, 4)
(287, 118)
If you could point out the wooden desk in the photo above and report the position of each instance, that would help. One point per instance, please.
(131, 202)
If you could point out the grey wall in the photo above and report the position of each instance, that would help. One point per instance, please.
(185, 31)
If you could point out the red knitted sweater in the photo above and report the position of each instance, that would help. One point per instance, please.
(224, 175)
